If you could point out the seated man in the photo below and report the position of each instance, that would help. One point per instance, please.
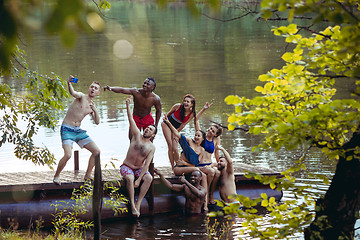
(227, 187)
(195, 193)
(138, 158)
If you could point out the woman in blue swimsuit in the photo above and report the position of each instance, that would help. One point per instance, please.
(209, 144)
(191, 155)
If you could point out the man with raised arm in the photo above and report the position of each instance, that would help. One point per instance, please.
(71, 132)
(138, 158)
(195, 193)
(144, 99)
(227, 187)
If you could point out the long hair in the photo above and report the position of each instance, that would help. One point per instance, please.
(182, 109)
(219, 130)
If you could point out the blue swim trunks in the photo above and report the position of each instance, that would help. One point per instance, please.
(70, 134)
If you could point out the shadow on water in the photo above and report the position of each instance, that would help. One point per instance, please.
(163, 226)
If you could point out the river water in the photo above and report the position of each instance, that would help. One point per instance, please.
(185, 54)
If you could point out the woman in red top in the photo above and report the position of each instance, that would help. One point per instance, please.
(179, 115)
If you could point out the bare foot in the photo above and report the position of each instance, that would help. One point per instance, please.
(212, 202)
(135, 212)
(138, 207)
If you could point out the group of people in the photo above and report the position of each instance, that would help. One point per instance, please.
(194, 160)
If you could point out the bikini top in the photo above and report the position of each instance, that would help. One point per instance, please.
(177, 116)
(208, 146)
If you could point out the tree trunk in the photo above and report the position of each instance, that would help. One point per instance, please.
(336, 212)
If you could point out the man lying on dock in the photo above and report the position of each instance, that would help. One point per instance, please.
(138, 158)
(71, 132)
(195, 193)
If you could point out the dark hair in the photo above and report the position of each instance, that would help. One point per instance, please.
(155, 128)
(202, 133)
(219, 130)
(152, 80)
(182, 109)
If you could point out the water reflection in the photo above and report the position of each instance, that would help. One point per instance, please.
(206, 58)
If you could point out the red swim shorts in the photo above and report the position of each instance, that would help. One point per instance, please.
(143, 122)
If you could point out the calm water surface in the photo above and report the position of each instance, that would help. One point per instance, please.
(204, 57)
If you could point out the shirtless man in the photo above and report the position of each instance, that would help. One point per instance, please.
(70, 129)
(227, 187)
(138, 158)
(144, 99)
(195, 193)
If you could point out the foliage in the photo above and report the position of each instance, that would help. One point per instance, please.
(21, 114)
(67, 216)
(217, 230)
(297, 106)
(65, 18)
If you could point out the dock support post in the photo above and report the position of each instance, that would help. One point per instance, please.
(76, 160)
(150, 198)
(97, 198)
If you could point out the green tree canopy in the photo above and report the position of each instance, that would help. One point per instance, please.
(297, 108)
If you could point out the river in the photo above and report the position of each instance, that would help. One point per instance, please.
(185, 54)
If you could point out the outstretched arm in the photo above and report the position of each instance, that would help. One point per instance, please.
(72, 92)
(172, 128)
(198, 115)
(175, 187)
(119, 89)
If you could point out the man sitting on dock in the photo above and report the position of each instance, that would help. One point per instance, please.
(227, 187)
(138, 158)
(71, 132)
(195, 193)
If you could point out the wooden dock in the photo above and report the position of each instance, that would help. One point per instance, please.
(43, 180)
(26, 196)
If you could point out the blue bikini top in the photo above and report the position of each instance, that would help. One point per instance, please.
(208, 146)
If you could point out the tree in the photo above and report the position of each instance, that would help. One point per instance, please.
(297, 109)
(43, 94)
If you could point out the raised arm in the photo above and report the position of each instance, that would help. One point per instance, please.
(122, 90)
(217, 143)
(72, 92)
(172, 128)
(175, 187)
(198, 115)
(228, 158)
(133, 127)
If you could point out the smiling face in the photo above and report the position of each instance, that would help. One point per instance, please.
(199, 136)
(148, 85)
(195, 177)
(214, 131)
(188, 103)
(94, 89)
